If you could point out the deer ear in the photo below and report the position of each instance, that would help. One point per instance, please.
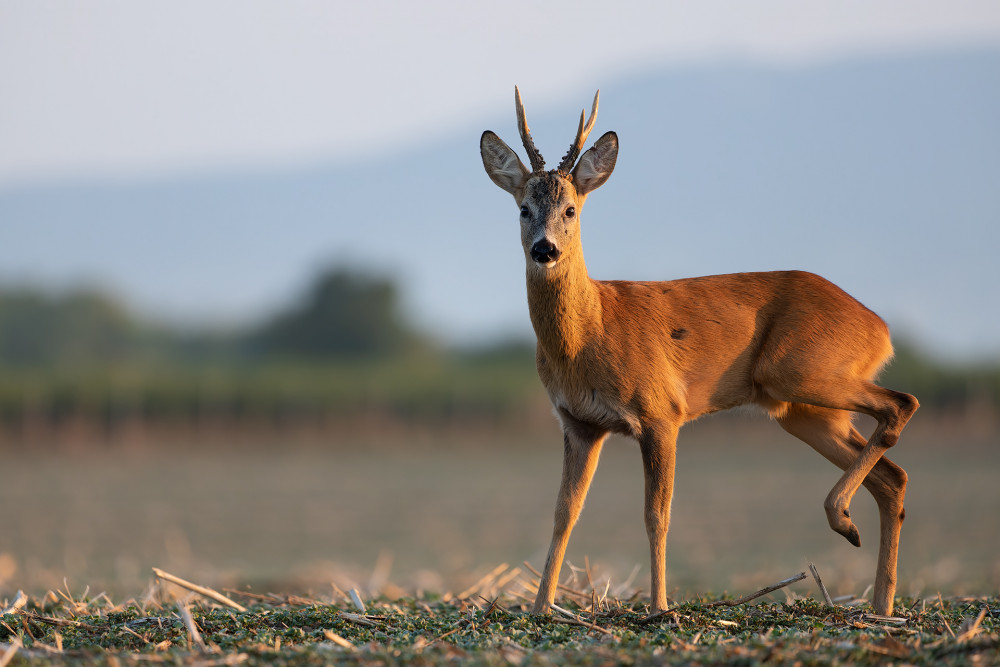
(596, 164)
(502, 164)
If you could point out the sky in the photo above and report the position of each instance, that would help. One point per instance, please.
(123, 90)
(113, 92)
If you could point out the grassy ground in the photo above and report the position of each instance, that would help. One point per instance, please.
(287, 630)
(405, 517)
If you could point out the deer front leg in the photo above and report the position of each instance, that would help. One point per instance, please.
(581, 450)
(659, 449)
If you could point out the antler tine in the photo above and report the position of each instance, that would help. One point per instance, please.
(569, 160)
(537, 161)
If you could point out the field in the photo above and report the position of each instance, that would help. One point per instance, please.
(435, 631)
(411, 518)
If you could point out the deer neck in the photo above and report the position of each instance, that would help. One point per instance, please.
(565, 307)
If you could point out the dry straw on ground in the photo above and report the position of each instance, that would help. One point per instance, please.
(592, 620)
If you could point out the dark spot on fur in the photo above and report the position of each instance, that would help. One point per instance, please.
(679, 334)
(902, 514)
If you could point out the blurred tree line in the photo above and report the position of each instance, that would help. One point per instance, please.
(343, 315)
(343, 349)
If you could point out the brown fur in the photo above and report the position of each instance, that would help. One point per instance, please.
(643, 358)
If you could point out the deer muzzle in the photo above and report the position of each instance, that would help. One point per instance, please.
(544, 252)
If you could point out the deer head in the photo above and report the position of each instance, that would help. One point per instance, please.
(550, 201)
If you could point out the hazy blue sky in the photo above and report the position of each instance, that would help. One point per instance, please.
(108, 88)
(203, 159)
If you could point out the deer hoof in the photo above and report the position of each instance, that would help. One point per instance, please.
(840, 521)
(852, 535)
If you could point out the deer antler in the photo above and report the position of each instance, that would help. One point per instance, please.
(537, 161)
(581, 137)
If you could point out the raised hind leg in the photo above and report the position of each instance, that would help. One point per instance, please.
(830, 433)
(892, 409)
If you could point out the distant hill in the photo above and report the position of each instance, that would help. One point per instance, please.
(881, 174)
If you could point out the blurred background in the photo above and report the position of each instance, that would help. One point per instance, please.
(262, 314)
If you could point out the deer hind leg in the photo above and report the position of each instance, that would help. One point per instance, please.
(581, 451)
(659, 448)
(829, 432)
(892, 409)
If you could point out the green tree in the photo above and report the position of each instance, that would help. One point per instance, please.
(343, 315)
(38, 329)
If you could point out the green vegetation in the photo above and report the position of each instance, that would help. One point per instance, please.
(433, 630)
(941, 386)
(39, 330)
(343, 315)
(343, 350)
(413, 388)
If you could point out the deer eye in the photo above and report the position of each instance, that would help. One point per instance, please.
(524, 212)
(570, 212)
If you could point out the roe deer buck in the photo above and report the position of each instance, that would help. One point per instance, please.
(643, 358)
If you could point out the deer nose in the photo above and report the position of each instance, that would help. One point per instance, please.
(544, 252)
